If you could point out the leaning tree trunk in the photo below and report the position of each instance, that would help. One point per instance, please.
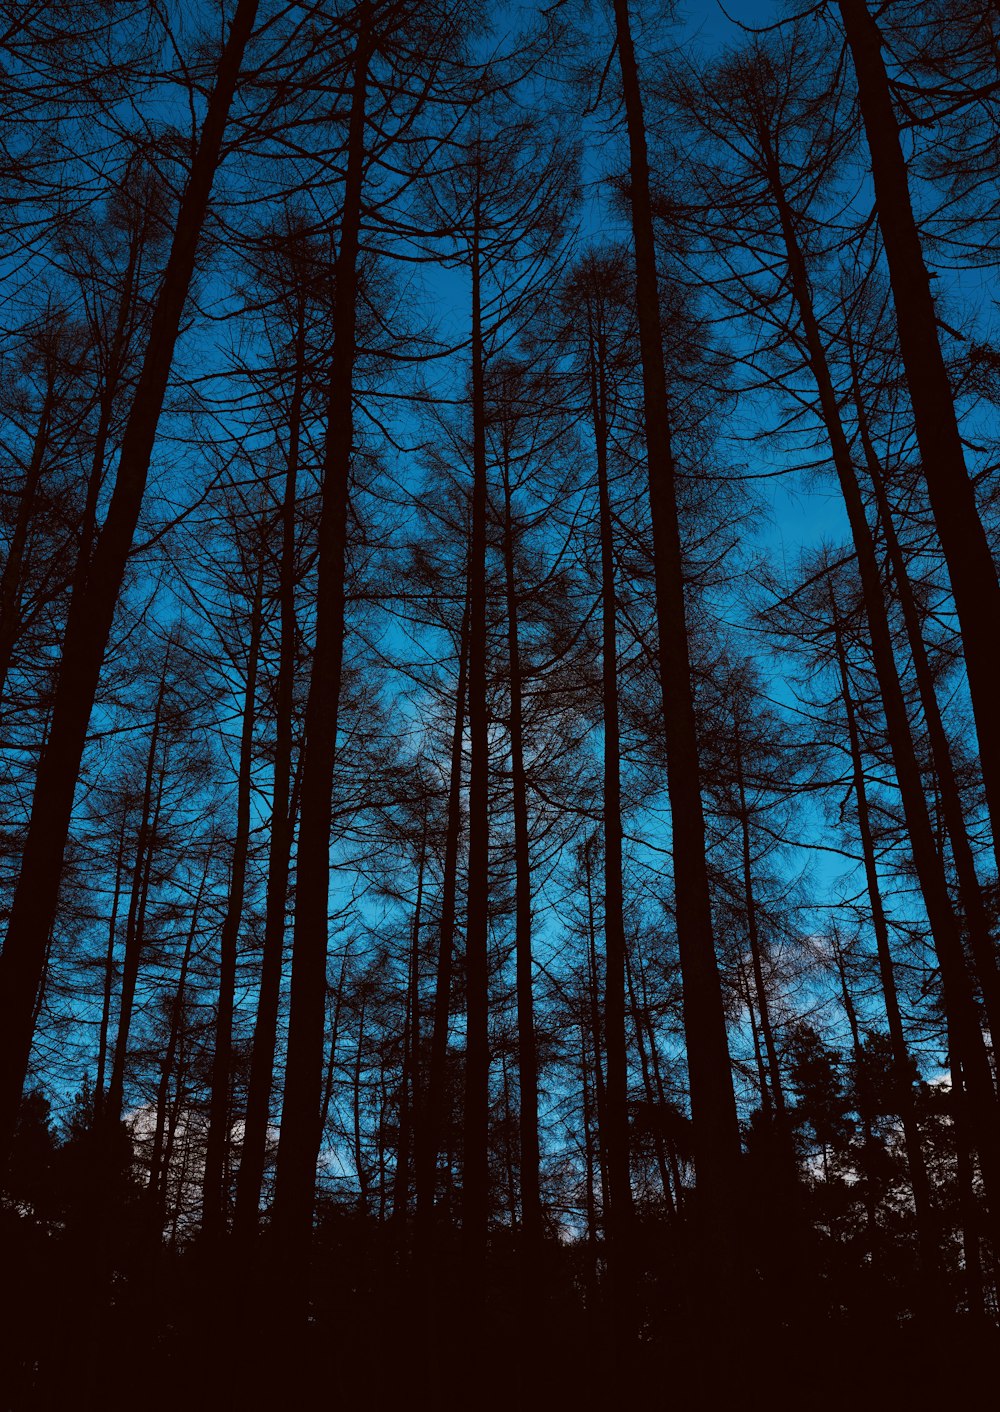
(91, 611)
(970, 894)
(967, 552)
(957, 987)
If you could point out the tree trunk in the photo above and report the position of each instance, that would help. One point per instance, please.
(428, 1135)
(619, 1207)
(409, 1085)
(258, 1114)
(713, 1105)
(531, 1201)
(359, 1161)
(758, 1053)
(589, 1174)
(964, 541)
(109, 973)
(214, 1210)
(968, 1204)
(298, 1145)
(136, 920)
(969, 891)
(475, 1175)
(646, 1016)
(919, 1182)
(652, 1098)
(157, 1165)
(753, 934)
(864, 1103)
(331, 1058)
(600, 1084)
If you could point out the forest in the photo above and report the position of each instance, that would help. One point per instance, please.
(499, 703)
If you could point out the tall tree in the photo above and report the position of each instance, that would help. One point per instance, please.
(298, 1148)
(713, 1105)
(971, 566)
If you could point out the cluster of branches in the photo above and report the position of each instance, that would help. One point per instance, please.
(469, 864)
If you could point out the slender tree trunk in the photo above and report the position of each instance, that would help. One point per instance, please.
(646, 1015)
(589, 1171)
(969, 891)
(967, 1202)
(135, 937)
(902, 1079)
(258, 1114)
(215, 1188)
(383, 1108)
(619, 1206)
(753, 934)
(359, 1161)
(135, 922)
(109, 973)
(508, 1146)
(409, 1086)
(763, 1084)
(713, 1104)
(36, 1013)
(170, 1144)
(475, 1177)
(600, 1084)
(964, 541)
(92, 611)
(864, 1102)
(531, 1200)
(157, 1167)
(298, 1145)
(331, 1060)
(652, 1101)
(428, 1135)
